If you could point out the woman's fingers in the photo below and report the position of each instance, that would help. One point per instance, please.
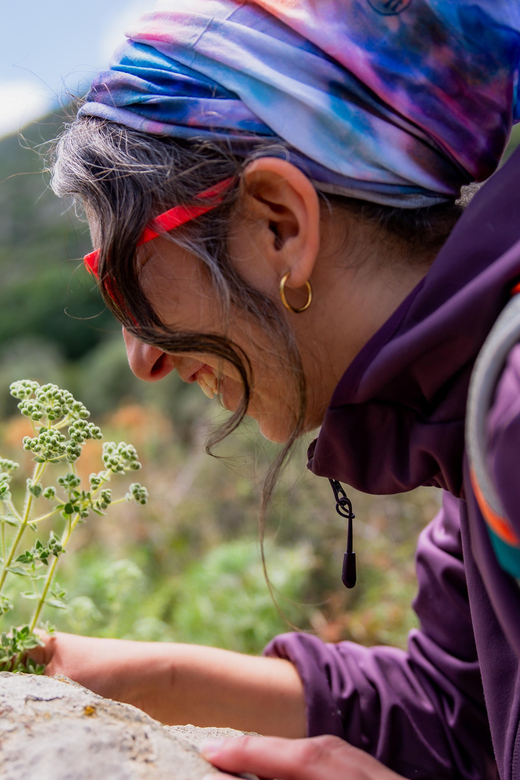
(42, 654)
(319, 758)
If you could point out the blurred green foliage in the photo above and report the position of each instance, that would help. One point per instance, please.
(45, 290)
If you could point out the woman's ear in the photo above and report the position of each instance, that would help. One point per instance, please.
(285, 207)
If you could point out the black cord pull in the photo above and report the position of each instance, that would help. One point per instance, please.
(344, 509)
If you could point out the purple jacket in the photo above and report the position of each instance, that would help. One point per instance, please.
(449, 707)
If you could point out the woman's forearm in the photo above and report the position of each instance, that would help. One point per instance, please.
(207, 686)
(177, 683)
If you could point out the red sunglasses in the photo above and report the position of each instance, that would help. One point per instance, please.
(170, 219)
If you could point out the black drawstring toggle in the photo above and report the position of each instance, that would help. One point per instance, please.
(344, 509)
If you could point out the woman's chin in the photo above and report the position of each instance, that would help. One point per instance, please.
(274, 426)
(274, 430)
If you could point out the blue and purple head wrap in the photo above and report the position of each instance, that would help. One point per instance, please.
(399, 102)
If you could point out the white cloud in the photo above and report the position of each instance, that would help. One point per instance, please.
(21, 101)
(115, 34)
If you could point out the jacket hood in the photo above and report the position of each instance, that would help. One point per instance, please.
(396, 418)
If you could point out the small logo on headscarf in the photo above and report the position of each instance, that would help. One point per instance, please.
(389, 7)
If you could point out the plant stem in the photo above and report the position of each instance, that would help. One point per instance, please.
(72, 523)
(45, 517)
(63, 424)
(48, 580)
(43, 596)
(37, 475)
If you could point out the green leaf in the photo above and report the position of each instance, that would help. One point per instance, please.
(58, 592)
(21, 572)
(5, 605)
(10, 520)
(26, 557)
(34, 668)
(56, 603)
(27, 643)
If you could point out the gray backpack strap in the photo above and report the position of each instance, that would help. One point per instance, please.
(486, 373)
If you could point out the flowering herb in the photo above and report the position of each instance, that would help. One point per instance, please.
(61, 428)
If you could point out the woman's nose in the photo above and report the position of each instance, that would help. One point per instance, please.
(148, 363)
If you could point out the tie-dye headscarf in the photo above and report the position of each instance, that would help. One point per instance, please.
(394, 101)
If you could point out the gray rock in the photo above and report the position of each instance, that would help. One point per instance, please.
(54, 729)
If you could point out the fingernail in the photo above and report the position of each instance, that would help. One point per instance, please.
(211, 747)
(221, 776)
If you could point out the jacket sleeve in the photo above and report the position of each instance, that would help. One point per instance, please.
(420, 712)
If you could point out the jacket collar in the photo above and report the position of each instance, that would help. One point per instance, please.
(396, 419)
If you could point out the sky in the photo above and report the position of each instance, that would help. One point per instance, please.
(50, 48)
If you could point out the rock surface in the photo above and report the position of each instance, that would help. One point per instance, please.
(53, 729)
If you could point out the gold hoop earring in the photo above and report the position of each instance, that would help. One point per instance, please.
(286, 303)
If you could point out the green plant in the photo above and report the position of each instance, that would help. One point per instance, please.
(223, 598)
(61, 428)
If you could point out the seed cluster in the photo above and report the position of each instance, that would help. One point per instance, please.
(137, 492)
(120, 457)
(5, 484)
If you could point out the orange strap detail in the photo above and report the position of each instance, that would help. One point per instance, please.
(500, 525)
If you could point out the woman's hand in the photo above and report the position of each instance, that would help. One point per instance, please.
(318, 758)
(177, 683)
(113, 668)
